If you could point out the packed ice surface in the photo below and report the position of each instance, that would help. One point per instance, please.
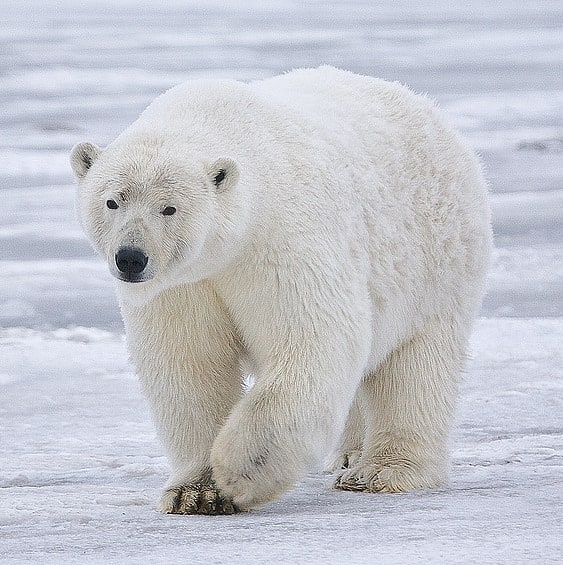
(80, 467)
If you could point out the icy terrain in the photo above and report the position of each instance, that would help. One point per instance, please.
(80, 468)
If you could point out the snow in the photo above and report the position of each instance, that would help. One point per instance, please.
(80, 467)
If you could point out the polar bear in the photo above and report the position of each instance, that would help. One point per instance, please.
(326, 232)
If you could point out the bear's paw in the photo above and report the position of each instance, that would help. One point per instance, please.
(387, 476)
(196, 498)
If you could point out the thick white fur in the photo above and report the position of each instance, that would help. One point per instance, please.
(343, 256)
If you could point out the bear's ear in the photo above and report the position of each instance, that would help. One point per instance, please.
(223, 173)
(82, 158)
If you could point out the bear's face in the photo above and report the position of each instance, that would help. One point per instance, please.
(158, 221)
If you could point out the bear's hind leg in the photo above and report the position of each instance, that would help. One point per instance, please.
(351, 443)
(409, 404)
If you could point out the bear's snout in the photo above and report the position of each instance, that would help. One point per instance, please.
(131, 262)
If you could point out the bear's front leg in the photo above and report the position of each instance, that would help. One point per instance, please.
(189, 407)
(283, 426)
(309, 345)
(187, 357)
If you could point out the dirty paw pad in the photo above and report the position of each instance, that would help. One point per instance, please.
(196, 498)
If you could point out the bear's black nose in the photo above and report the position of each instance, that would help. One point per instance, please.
(130, 261)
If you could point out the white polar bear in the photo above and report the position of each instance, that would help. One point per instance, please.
(327, 230)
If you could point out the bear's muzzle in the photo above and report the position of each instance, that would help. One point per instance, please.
(131, 262)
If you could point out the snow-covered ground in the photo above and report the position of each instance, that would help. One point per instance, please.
(80, 468)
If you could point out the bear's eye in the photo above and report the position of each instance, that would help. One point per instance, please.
(112, 204)
(220, 177)
(168, 211)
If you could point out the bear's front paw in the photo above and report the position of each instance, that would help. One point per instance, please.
(250, 471)
(387, 475)
(196, 498)
(249, 481)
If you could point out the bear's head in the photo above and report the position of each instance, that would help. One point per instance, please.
(158, 217)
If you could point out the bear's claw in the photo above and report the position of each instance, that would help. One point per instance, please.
(344, 460)
(196, 498)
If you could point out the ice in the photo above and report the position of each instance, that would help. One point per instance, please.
(82, 469)
(80, 466)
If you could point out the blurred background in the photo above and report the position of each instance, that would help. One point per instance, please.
(73, 71)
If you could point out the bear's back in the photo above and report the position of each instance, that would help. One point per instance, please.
(332, 105)
(332, 98)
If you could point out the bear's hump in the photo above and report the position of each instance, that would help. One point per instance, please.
(199, 96)
(199, 108)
